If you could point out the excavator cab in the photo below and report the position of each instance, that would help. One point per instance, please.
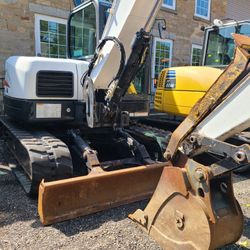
(218, 51)
(86, 25)
(85, 28)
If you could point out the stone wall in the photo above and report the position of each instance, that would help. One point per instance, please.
(184, 28)
(17, 24)
(238, 10)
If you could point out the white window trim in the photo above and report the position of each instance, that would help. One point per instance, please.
(208, 12)
(157, 39)
(194, 46)
(172, 7)
(38, 18)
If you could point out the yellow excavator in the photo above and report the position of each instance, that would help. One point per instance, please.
(179, 88)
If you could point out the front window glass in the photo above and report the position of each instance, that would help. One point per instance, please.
(244, 29)
(77, 2)
(220, 48)
(139, 80)
(103, 16)
(83, 33)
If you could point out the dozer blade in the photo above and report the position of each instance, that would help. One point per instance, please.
(185, 214)
(100, 190)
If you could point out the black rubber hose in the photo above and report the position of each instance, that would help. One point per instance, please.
(98, 49)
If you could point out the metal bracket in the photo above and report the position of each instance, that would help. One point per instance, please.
(137, 148)
(88, 153)
(198, 144)
(233, 157)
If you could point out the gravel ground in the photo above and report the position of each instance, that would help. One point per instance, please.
(20, 227)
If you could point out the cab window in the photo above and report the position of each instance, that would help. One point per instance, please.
(83, 33)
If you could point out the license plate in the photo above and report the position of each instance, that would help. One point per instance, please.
(47, 110)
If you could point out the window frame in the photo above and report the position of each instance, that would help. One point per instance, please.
(172, 7)
(155, 40)
(208, 11)
(195, 46)
(38, 18)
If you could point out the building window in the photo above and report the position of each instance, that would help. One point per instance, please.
(170, 4)
(50, 35)
(202, 8)
(77, 2)
(162, 57)
(196, 55)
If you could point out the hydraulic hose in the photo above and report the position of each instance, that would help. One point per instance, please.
(119, 44)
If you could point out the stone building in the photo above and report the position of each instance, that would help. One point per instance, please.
(24, 22)
(38, 27)
(182, 44)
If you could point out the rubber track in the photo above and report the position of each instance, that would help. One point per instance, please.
(40, 154)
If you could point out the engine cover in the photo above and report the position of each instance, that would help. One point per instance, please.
(27, 77)
(44, 89)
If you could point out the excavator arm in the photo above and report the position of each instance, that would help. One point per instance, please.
(193, 206)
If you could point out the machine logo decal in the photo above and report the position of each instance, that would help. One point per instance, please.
(170, 79)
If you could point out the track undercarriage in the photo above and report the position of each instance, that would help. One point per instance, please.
(96, 168)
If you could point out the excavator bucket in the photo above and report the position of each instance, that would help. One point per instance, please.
(70, 198)
(181, 217)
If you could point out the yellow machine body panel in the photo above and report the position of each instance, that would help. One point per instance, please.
(179, 88)
(132, 89)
